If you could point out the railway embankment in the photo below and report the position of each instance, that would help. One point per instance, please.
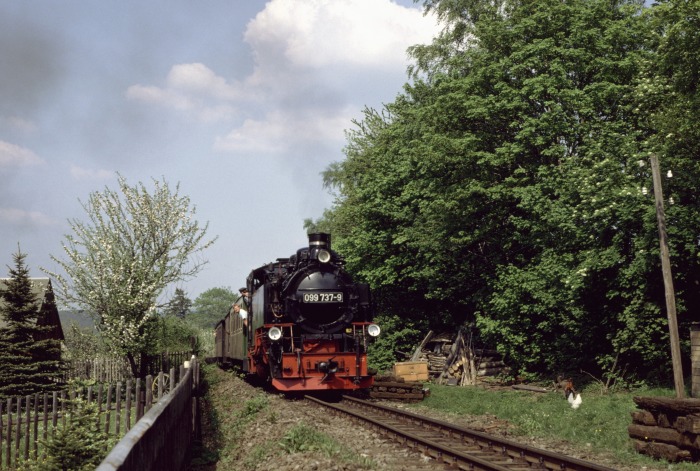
(246, 428)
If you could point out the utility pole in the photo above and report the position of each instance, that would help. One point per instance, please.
(668, 280)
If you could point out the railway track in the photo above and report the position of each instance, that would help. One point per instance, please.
(456, 446)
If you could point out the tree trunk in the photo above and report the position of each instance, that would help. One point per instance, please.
(138, 369)
(133, 365)
(143, 365)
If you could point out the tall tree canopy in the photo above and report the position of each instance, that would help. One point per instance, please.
(211, 306)
(134, 245)
(179, 305)
(504, 187)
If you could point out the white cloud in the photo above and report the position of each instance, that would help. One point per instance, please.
(348, 34)
(282, 129)
(14, 155)
(80, 173)
(198, 78)
(28, 218)
(192, 88)
(254, 136)
(159, 96)
(312, 59)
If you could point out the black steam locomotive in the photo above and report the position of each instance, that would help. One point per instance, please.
(307, 326)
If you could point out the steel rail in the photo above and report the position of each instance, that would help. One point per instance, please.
(458, 446)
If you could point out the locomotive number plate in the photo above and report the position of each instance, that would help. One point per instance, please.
(323, 297)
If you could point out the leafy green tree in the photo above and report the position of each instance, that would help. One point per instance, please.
(83, 343)
(29, 361)
(211, 306)
(397, 336)
(174, 334)
(668, 109)
(179, 306)
(133, 246)
(505, 187)
(561, 181)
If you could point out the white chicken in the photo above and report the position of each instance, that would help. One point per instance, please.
(574, 399)
(572, 396)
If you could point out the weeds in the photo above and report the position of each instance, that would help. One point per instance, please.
(253, 406)
(303, 438)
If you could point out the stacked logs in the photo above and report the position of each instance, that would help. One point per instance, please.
(666, 428)
(452, 360)
(397, 389)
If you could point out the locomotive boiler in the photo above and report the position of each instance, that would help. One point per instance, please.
(308, 323)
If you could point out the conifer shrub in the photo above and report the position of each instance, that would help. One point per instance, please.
(29, 362)
(79, 445)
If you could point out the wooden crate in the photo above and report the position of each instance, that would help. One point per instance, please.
(412, 370)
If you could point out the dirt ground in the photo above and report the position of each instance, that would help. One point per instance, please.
(244, 428)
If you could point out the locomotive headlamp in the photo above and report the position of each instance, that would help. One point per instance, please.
(324, 256)
(373, 330)
(274, 333)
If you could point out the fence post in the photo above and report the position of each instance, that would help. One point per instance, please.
(109, 408)
(8, 457)
(28, 406)
(46, 420)
(99, 406)
(36, 425)
(118, 407)
(149, 393)
(128, 405)
(160, 385)
(54, 409)
(197, 405)
(1, 433)
(139, 404)
(695, 359)
(18, 428)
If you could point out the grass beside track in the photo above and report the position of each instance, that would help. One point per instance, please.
(227, 419)
(598, 425)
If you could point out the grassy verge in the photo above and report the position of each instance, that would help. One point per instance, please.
(598, 425)
(305, 438)
(227, 427)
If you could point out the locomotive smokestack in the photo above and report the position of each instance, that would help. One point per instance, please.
(320, 240)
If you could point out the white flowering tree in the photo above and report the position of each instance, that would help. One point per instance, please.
(134, 244)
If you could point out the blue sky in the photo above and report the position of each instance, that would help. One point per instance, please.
(243, 103)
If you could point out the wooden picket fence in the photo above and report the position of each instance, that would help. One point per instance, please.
(27, 421)
(163, 437)
(113, 369)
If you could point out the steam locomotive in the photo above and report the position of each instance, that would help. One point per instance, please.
(308, 323)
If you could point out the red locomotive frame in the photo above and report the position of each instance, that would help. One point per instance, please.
(312, 364)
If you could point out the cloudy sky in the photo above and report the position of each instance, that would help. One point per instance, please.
(243, 103)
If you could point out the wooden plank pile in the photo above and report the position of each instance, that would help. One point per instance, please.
(398, 389)
(453, 360)
(666, 428)
(412, 371)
